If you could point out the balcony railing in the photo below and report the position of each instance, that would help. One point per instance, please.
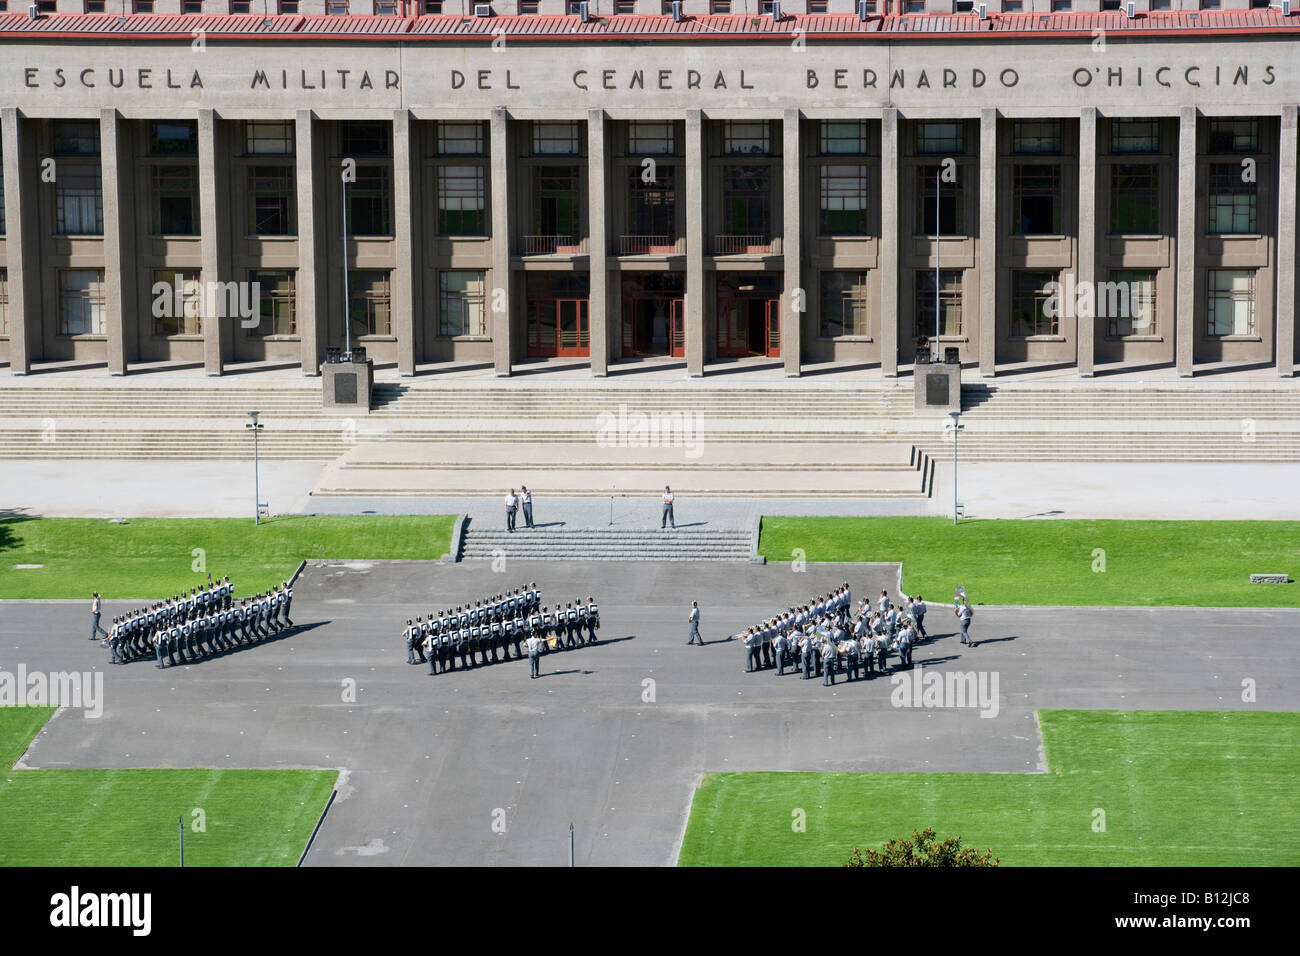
(649, 246)
(742, 245)
(554, 245)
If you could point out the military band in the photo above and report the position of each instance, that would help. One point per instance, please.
(484, 633)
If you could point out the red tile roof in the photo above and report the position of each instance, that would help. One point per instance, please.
(653, 28)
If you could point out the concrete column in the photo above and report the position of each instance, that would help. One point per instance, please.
(22, 246)
(502, 240)
(214, 242)
(598, 242)
(795, 294)
(694, 318)
(1086, 330)
(119, 258)
(889, 260)
(405, 219)
(988, 311)
(311, 304)
(1185, 283)
(1286, 247)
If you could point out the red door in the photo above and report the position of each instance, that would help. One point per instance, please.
(677, 328)
(574, 335)
(772, 340)
(733, 328)
(629, 328)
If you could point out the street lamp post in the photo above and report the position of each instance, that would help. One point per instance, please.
(938, 233)
(347, 305)
(257, 494)
(956, 426)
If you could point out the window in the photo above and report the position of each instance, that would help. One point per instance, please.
(461, 303)
(842, 136)
(1135, 199)
(385, 8)
(949, 302)
(2, 195)
(336, 8)
(288, 6)
(765, 7)
(461, 201)
(47, 6)
(666, 7)
(625, 7)
(365, 138)
(371, 302)
(817, 6)
(241, 6)
(81, 302)
(174, 190)
(651, 138)
(1232, 201)
(191, 6)
(1128, 301)
(914, 6)
(370, 202)
(1210, 4)
(277, 309)
(1035, 303)
(79, 201)
(719, 6)
(1231, 302)
(142, 6)
(173, 138)
(271, 201)
(1109, 5)
(746, 136)
(652, 206)
(527, 7)
(1036, 136)
(1159, 4)
(1012, 6)
(460, 138)
(574, 7)
(76, 138)
(4, 303)
(1036, 200)
(963, 6)
(555, 202)
(1061, 6)
(1135, 136)
(747, 199)
(269, 138)
(952, 204)
(431, 7)
(556, 139)
(176, 294)
(871, 5)
(843, 304)
(1233, 136)
(843, 201)
(940, 138)
(92, 6)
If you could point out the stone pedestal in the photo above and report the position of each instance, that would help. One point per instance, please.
(346, 386)
(937, 388)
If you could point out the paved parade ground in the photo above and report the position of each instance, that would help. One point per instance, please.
(487, 767)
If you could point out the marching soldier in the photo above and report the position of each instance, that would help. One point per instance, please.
(593, 620)
(409, 635)
(159, 645)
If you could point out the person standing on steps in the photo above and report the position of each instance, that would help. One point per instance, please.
(694, 620)
(512, 505)
(667, 517)
(526, 502)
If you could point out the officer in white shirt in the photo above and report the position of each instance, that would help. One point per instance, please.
(534, 655)
(96, 609)
(526, 501)
(512, 505)
(668, 510)
(694, 620)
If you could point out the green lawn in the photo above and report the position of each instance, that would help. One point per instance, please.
(1179, 788)
(130, 817)
(151, 558)
(1148, 563)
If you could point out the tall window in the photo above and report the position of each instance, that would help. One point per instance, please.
(182, 320)
(371, 305)
(1135, 199)
(843, 197)
(747, 200)
(81, 302)
(1036, 200)
(1232, 200)
(1036, 136)
(456, 138)
(935, 139)
(556, 139)
(1233, 136)
(652, 206)
(76, 138)
(461, 304)
(1231, 308)
(752, 137)
(843, 304)
(4, 303)
(651, 138)
(1135, 136)
(949, 302)
(365, 138)
(555, 201)
(175, 194)
(461, 201)
(173, 138)
(277, 308)
(271, 197)
(952, 203)
(842, 137)
(1129, 302)
(2, 192)
(370, 202)
(269, 137)
(1034, 309)
(79, 201)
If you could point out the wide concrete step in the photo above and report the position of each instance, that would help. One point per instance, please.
(621, 544)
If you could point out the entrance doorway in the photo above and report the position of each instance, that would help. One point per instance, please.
(557, 307)
(653, 320)
(749, 315)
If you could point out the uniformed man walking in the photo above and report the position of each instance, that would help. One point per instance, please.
(96, 609)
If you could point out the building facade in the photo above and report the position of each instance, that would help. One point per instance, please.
(454, 185)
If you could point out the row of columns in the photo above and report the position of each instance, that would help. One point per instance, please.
(23, 241)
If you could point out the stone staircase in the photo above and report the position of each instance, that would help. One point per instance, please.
(607, 544)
